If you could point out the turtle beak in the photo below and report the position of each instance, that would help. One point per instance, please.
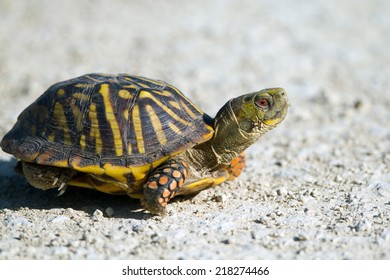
(280, 112)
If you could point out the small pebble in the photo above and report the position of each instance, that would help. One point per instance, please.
(261, 221)
(281, 192)
(110, 212)
(97, 215)
(363, 225)
(300, 237)
(220, 198)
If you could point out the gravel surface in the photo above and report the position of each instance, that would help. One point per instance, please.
(316, 187)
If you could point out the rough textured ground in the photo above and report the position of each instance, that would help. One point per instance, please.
(317, 187)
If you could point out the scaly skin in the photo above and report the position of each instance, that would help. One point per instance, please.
(239, 124)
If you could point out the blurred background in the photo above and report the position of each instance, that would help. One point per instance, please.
(329, 161)
(214, 49)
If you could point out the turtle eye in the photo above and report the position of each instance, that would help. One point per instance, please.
(263, 103)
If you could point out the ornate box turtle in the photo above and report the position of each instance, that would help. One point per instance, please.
(123, 134)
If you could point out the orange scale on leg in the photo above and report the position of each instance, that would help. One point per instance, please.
(176, 174)
(173, 185)
(152, 185)
(166, 193)
(163, 180)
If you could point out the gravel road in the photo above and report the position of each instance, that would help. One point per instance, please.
(316, 187)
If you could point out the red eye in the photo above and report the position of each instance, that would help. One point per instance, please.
(263, 103)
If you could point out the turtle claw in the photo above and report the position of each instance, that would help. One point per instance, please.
(62, 188)
(55, 181)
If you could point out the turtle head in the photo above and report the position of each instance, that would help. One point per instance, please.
(244, 119)
(259, 111)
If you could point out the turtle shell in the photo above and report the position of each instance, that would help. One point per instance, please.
(97, 122)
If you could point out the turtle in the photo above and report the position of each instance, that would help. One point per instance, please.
(131, 135)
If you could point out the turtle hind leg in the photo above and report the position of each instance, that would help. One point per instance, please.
(46, 177)
(163, 184)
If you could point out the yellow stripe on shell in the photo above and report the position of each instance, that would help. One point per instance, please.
(162, 92)
(47, 156)
(110, 117)
(132, 86)
(129, 79)
(175, 105)
(138, 129)
(95, 131)
(141, 81)
(90, 169)
(97, 80)
(125, 94)
(155, 82)
(82, 85)
(145, 94)
(61, 92)
(142, 85)
(175, 129)
(188, 110)
(129, 148)
(185, 98)
(51, 137)
(126, 116)
(59, 115)
(78, 116)
(83, 142)
(157, 127)
(81, 96)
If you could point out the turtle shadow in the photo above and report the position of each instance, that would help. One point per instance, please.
(16, 193)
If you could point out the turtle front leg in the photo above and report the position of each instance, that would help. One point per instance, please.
(230, 172)
(236, 166)
(163, 184)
